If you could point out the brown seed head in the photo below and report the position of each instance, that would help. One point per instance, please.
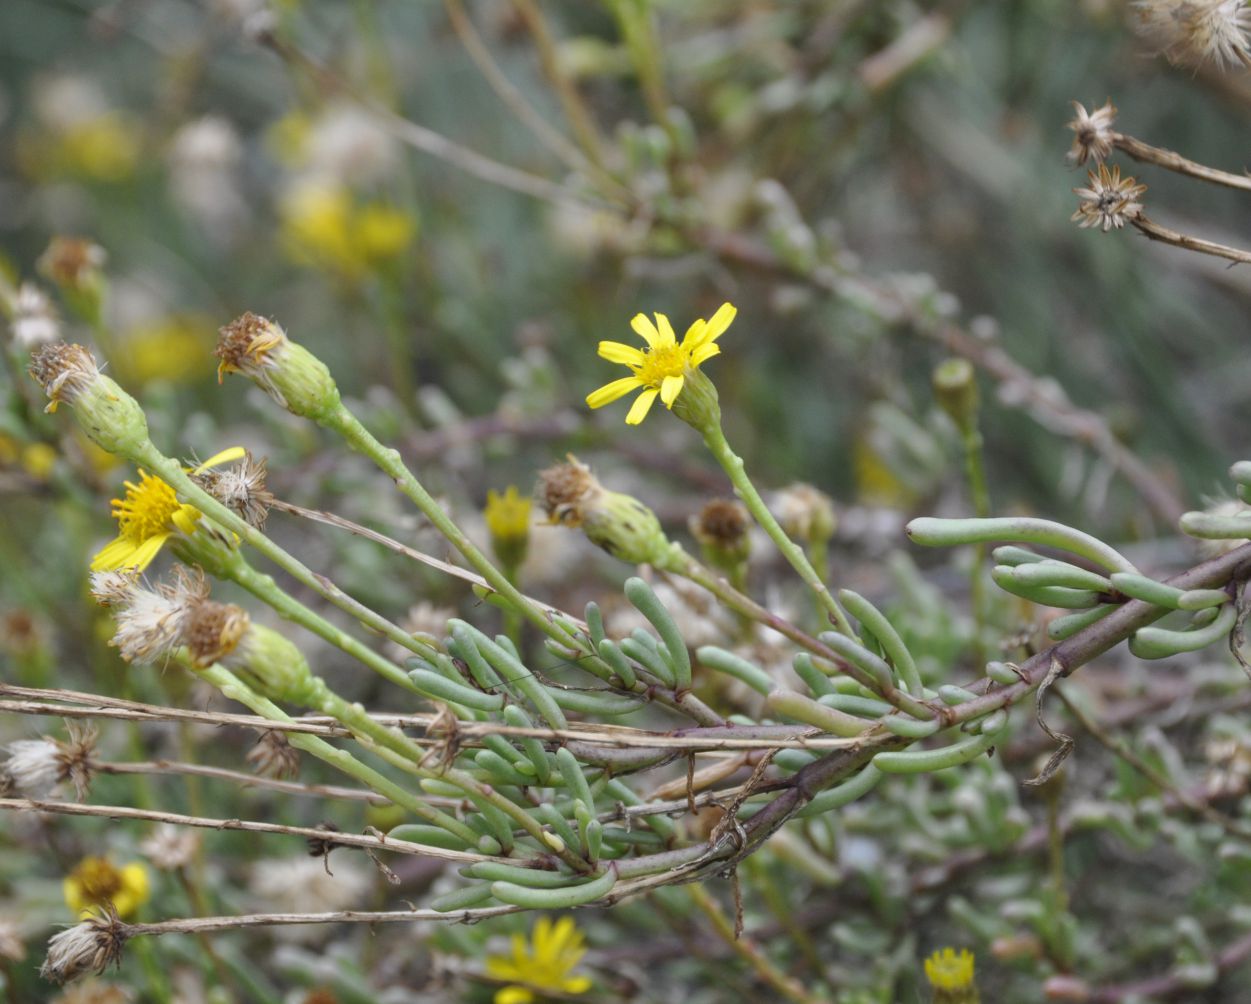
(213, 630)
(246, 344)
(86, 949)
(72, 262)
(273, 756)
(1094, 136)
(565, 490)
(721, 523)
(64, 371)
(240, 488)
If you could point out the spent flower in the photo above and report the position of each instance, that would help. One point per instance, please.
(1093, 135)
(34, 320)
(544, 965)
(1194, 32)
(86, 949)
(37, 766)
(296, 379)
(666, 366)
(1109, 201)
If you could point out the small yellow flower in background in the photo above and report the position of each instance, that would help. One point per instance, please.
(38, 460)
(324, 227)
(148, 516)
(97, 882)
(287, 139)
(547, 966)
(104, 148)
(173, 348)
(660, 369)
(508, 522)
(951, 975)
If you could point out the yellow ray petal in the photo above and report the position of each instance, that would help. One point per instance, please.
(643, 327)
(667, 337)
(225, 457)
(670, 388)
(695, 335)
(615, 352)
(719, 321)
(113, 555)
(146, 551)
(184, 518)
(642, 404)
(611, 391)
(704, 353)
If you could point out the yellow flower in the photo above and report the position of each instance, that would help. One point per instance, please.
(148, 516)
(96, 882)
(172, 348)
(663, 366)
(508, 515)
(323, 227)
(947, 970)
(545, 967)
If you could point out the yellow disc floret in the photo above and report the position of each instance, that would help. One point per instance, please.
(948, 970)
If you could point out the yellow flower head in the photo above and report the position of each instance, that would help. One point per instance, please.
(547, 966)
(148, 516)
(947, 970)
(97, 882)
(508, 515)
(663, 366)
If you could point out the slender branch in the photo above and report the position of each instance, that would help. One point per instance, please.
(247, 825)
(1188, 243)
(1148, 154)
(255, 781)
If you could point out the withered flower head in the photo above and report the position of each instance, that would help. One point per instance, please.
(72, 262)
(213, 630)
(151, 622)
(240, 488)
(805, 513)
(170, 847)
(86, 949)
(1194, 32)
(115, 588)
(1093, 133)
(64, 371)
(37, 766)
(273, 756)
(722, 522)
(1109, 202)
(564, 490)
(295, 378)
(34, 320)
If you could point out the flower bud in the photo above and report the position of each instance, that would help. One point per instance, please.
(955, 389)
(805, 513)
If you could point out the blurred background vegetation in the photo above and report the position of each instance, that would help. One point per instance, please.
(820, 158)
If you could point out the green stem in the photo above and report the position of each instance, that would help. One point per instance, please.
(151, 459)
(235, 689)
(975, 471)
(733, 465)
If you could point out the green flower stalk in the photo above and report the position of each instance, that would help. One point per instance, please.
(670, 370)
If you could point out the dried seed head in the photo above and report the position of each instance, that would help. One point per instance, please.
(86, 949)
(170, 847)
(211, 631)
(1094, 136)
(1194, 32)
(240, 488)
(274, 756)
(1109, 202)
(37, 766)
(565, 490)
(73, 263)
(721, 529)
(805, 513)
(35, 320)
(64, 371)
(115, 588)
(150, 625)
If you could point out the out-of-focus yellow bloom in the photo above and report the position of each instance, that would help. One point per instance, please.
(877, 483)
(508, 523)
(104, 148)
(38, 460)
(324, 227)
(951, 975)
(97, 882)
(174, 348)
(547, 966)
(660, 369)
(148, 516)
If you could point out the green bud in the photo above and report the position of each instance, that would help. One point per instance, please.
(955, 390)
(698, 405)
